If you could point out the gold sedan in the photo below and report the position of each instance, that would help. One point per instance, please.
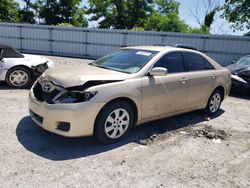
(128, 87)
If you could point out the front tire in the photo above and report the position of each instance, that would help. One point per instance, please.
(214, 102)
(114, 122)
(19, 77)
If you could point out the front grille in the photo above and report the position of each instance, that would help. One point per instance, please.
(36, 116)
(42, 96)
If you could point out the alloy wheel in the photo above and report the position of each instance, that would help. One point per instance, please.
(215, 102)
(117, 123)
(18, 78)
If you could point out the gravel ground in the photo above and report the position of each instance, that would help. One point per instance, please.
(173, 152)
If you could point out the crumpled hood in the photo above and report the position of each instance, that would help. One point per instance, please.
(27, 60)
(34, 59)
(76, 75)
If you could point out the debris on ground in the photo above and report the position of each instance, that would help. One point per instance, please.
(210, 133)
(216, 140)
(207, 118)
(204, 130)
(183, 132)
(153, 136)
(143, 142)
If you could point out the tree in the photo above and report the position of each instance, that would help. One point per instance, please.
(238, 13)
(119, 14)
(158, 15)
(167, 6)
(165, 17)
(27, 15)
(9, 11)
(53, 12)
(170, 22)
(204, 13)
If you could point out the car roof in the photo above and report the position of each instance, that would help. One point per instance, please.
(161, 48)
(151, 48)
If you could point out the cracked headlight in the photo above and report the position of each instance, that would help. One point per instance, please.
(75, 97)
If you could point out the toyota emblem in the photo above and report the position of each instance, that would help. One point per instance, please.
(47, 87)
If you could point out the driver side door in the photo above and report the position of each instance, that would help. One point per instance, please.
(165, 94)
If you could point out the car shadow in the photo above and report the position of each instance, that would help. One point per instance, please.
(5, 86)
(240, 95)
(55, 147)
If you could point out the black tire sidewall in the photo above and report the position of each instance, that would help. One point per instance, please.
(207, 109)
(101, 119)
(19, 68)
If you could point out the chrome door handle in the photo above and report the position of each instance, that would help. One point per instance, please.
(213, 76)
(184, 80)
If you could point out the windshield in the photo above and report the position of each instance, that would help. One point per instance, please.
(126, 60)
(244, 61)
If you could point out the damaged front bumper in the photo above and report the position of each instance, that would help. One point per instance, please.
(70, 120)
(41, 68)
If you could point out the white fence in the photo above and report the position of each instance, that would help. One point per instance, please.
(93, 43)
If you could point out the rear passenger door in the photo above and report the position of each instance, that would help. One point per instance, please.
(201, 79)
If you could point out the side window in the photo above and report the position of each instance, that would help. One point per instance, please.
(195, 62)
(172, 61)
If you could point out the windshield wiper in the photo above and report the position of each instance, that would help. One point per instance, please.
(113, 69)
(100, 66)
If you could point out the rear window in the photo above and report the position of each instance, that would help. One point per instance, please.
(11, 53)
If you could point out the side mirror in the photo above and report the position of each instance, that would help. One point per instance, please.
(158, 71)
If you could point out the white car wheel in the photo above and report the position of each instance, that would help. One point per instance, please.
(18, 77)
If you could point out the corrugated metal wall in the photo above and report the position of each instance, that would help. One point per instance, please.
(93, 43)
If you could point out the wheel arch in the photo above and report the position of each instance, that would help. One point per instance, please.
(121, 99)
(23, 66)
(222, 90)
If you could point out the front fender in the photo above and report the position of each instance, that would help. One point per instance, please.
(130, 88)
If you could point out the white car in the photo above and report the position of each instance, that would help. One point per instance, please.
(19, 70)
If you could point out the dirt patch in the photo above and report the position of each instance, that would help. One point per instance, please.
(210, 133)
(199, 130)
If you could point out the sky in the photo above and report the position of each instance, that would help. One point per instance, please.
(220, 26)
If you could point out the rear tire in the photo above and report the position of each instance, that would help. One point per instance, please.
(114, 122)
(214, 102)
(18, 77)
